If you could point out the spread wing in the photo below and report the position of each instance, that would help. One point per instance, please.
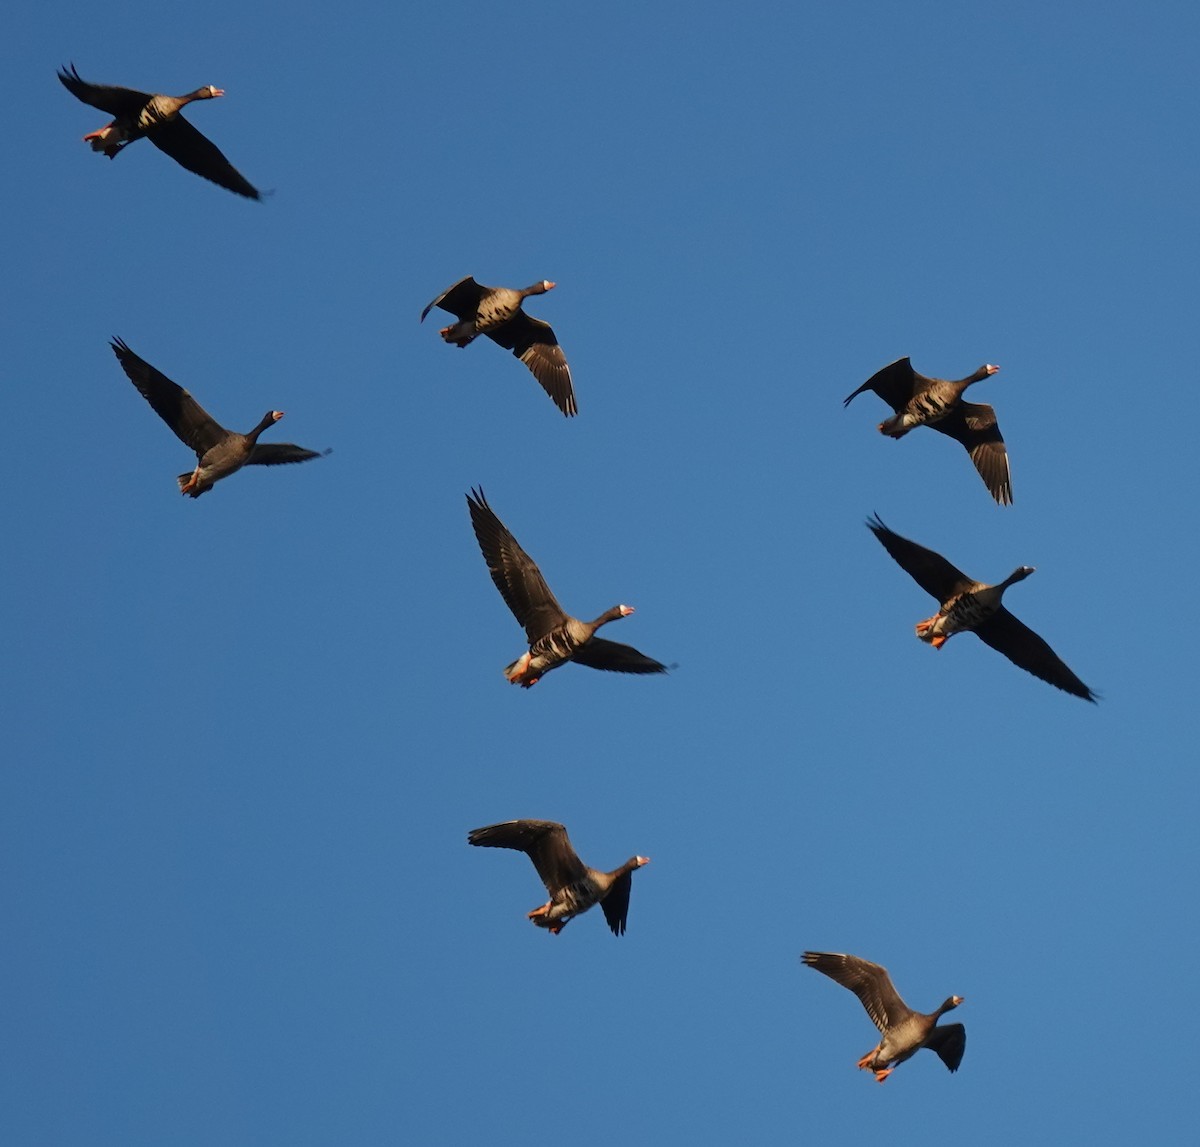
(192, 424)
(461, 300)
(108, 98)
(535, 344)
(974, 425)
(895, 384)
(1007, 635)
(275, 453)
(869, 982)
(929, 570)
(545, 842)
(616, 904)
(515, 573)
(949, 1041)
(190, 149)
(602, 654)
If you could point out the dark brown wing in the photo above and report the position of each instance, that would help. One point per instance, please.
(192, 424)
(545, 842)
(535, 344)
(949, 1041)
(116, 101)
(602, 654)
(275, 453)
(616, 904)
(869, 982)
(1005, 634)
(515, 573)
(929, 570)
(190, 149)
(974, 425)
(895, 384)
(462, 299)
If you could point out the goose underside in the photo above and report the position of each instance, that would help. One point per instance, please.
(111, 138)
(549, 652)
(460, 334)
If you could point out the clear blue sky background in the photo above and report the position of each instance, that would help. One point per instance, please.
(245, 737)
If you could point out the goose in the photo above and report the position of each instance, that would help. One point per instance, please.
(967, 604)
(555, 637)
(496, 312)
(937, 402)
(573, 886)
(219, 452)
(158, 118)
(905, 1032)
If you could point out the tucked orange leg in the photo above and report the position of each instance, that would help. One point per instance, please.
(880, 1076)
(518, 669)
(939, 641)
(865, 1062)
(191, 483)
(540, 911)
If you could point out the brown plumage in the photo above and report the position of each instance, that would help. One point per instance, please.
(937, 402)
(555, 637)
(573, 886)
(496, 312)
(972, 605)
(219, 452)
(904, 1031)
(156, 117)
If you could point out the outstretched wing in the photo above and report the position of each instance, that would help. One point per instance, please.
(515, 573)
(928, 569)
(895, 384)
(192, 424)
(949, 1041)
(616, 904)
(190, 149)
(108, 98)
(461, 300)
(1012, 637)
(276, 453)
(600, 653)
(869, 982)
(544, 841)
(974, 425)
(535, 344)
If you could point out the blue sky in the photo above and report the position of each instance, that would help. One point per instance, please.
(246, 736)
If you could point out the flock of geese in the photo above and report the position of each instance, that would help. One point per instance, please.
(554, 636)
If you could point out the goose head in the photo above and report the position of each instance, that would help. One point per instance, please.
(951, 1003)
(268, 419)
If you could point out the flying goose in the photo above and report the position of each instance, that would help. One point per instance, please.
(219, 452)
(496, 312)
(573, 886)
(937, 402)
(554, 636)
(156, 117)
(974, 605)
(905, 1032)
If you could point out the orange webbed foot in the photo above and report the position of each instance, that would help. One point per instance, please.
(880, 1076)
